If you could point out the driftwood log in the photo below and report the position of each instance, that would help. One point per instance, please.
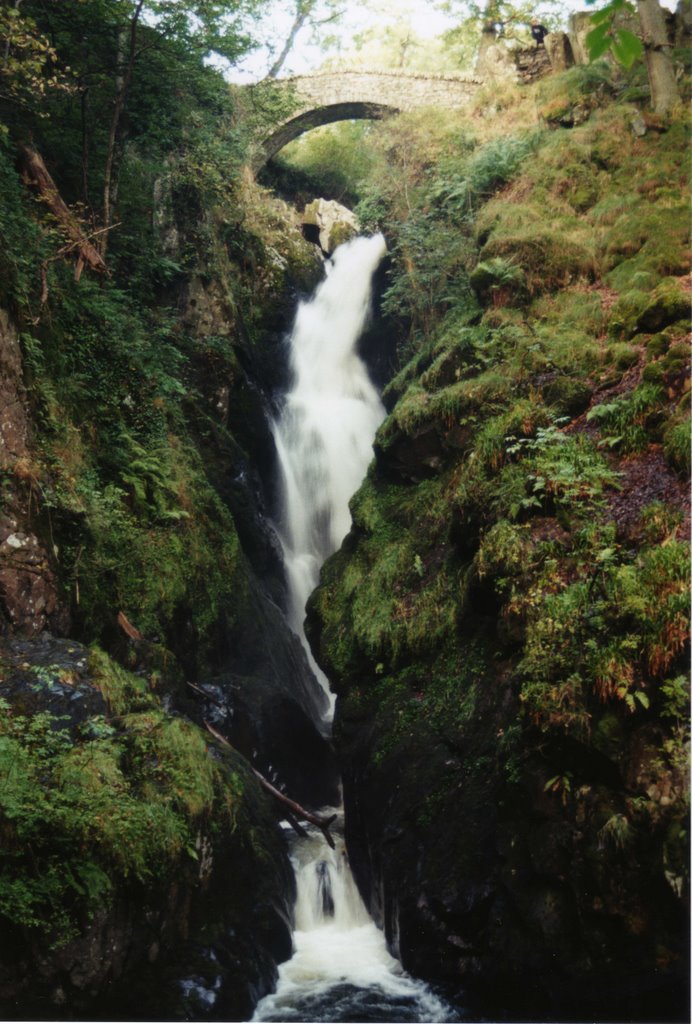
(36, 174)
(293, 809)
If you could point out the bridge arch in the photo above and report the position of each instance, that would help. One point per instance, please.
(308, 119)
(342, 95)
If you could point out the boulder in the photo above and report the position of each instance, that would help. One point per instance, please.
(559, 51)
(329, 224)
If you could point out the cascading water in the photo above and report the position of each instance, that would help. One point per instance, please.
(341, 969)
(325, 433)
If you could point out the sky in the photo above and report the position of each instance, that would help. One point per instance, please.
(425, 20)
(305, 57)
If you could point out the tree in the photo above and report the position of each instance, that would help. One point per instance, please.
(109, 44)
(626, 47)
(513, 16)
(27, 60)
(313, 13)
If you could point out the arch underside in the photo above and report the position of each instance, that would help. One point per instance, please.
(351, 111)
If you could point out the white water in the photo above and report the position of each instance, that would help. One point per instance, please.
(325, 433)
(341, 969)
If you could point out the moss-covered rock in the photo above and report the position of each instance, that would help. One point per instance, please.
(567, 100)
(668, 304)
(127, 847)
(506, 623)
(567, 396)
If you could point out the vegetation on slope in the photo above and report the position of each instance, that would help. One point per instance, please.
(507, 624)
(121, 834)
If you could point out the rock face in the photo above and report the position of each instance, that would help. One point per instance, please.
(29, 599)
(28, 584)
(14, 423)
(328, 224)
(499, 892)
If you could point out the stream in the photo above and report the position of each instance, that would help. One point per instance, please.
(341, 969)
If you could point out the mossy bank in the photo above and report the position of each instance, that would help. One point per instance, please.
(506, 625)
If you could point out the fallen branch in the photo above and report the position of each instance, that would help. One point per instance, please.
(323, 824)
(36, 173)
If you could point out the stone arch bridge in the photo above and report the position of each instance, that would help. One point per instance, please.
(345, 95)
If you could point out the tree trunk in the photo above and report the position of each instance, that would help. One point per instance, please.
(302, 12)
(664, 88)
(36, 173)
(122, 86)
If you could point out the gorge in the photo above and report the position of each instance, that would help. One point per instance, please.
(459, 446)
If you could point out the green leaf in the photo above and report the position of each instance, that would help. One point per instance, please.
(642, 698)
(605, 15)
(627, 48)
(598, 40)
(605, 555)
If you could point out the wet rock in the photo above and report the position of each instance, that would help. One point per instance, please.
(269, 705)
(50, 674)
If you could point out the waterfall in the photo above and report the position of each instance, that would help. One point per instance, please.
(341, 969)
(325, 432)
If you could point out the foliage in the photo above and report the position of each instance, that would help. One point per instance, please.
(502, 513)
(23, 245)
(28, 70)
(122, 799)
(606, 35)
(630, 419)
(335, 158)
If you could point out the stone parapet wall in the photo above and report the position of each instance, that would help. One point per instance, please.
(398, 90)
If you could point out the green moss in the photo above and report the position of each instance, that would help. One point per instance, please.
(124, 798)
(569, 98)
(668, 304)
(503, 553)
(676, 443)
(626, 312)
(567, 396)
(572, 308)
(122, 690)
(551, 252)
(645, 240)
(624, 356)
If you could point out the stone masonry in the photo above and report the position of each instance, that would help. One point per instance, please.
(343, 95)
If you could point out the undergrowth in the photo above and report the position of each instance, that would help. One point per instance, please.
(118, 799)
(539, 279)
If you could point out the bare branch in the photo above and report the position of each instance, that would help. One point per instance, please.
(323, 824)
